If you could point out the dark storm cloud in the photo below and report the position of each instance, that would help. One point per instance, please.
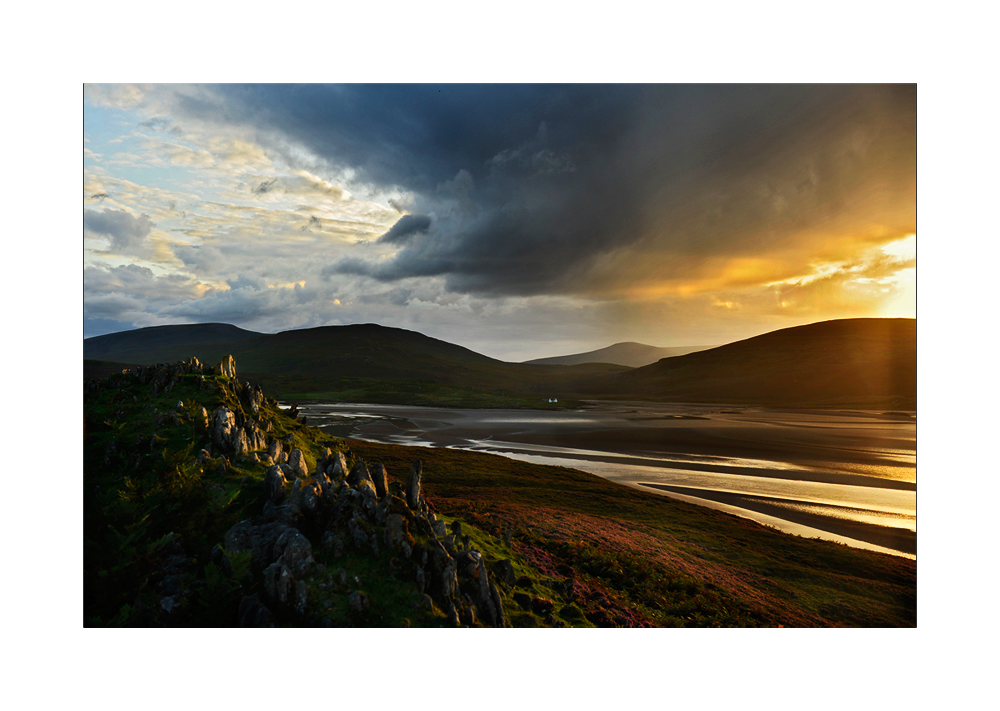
(405, 228)
(534, 187)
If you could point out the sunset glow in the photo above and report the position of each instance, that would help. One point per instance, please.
(556, 214)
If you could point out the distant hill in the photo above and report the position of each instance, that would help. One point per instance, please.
(369, 361)
(850, 362)
(631, 354)
(159, 343)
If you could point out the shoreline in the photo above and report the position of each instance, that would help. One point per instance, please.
(895, 539)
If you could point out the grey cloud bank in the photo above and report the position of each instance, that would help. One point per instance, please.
(658, 213)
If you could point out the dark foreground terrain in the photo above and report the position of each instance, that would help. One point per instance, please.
(205, 504)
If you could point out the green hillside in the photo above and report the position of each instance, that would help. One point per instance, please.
(205, 504)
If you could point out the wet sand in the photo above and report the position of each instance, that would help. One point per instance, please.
(808, 467)
(899, 539)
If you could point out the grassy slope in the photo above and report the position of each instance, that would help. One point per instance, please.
(659, 560)
(601, 552)
(849, 362)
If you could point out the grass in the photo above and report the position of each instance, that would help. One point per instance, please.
(583, 551)
(658, 560)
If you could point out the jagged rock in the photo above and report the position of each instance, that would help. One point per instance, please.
(323, 480)
(255, 438)
(358, 474)
(309, 497)
(226, 435)
(227, 367)
(466, 563)
(253, 398)
(274, 484)
(259, 539)
(413, 497)
(440, 529)
(487, 598)
(379, 480)
(337, 469)
(278, 581)
(500, 619)
(297, 461)
(295, 551)
(274, 450)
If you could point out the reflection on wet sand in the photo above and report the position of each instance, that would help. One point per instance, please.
(841, 474)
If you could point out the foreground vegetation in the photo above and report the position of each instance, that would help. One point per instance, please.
(565, 548)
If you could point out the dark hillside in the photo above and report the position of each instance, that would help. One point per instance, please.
(849, 362)
(362, 361)
(133, 346)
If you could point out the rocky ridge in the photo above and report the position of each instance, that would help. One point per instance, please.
(311, 518)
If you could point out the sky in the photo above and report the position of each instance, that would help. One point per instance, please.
(518, 220)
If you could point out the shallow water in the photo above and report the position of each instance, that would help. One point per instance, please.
(847, 475)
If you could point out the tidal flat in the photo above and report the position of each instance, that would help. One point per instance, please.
(842, 475)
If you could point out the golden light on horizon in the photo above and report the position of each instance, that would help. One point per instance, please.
(902, 303)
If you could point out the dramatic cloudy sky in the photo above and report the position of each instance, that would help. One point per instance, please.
(518, 220)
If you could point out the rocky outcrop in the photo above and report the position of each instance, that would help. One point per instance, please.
(413, 497)
(316, 507)
(379, 479)
(227, 367)
(227, 437)
(297, 462)
(340, 512)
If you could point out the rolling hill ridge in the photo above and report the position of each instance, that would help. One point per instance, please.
(631, 354)
(848, 362)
